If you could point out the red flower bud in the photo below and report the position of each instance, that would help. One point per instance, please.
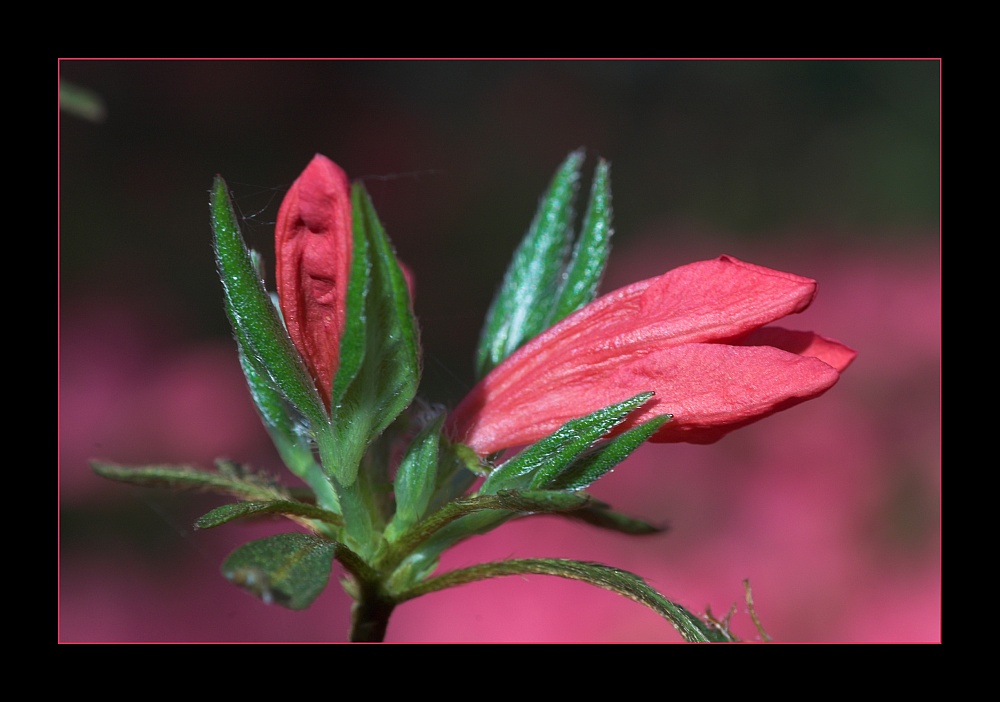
(313, 244)
(693, 336)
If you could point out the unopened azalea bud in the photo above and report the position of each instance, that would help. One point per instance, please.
(313, 244)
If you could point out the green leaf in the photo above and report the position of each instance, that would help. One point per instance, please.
(590, 254)
(528, 293)
(415, 554)
(233, 482)
(287, 569)
(690, 627)
(258, 328)
(526, 501)
(353, 339)
(540, 501)
(286, 427)
(457, 470)
(546, 459)
(242, 510)
(276, 412)
(600, 459)
(459, 520)
(601, 515)
(387, 379)
(416, 479)
(452, 480)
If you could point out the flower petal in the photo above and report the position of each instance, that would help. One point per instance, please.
(692, 335)
(803, 343)
(710, 389)
(313, 244)
(708, 301)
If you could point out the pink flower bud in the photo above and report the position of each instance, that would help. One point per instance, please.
(313, 244)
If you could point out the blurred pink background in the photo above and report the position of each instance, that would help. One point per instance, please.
(831, 509)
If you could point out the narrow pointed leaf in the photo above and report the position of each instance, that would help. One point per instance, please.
(601, 515)
(190, 478)
(387, 379)
(242, 510)
(544, 460)
(353, 340)
(254, 318)
(527, 295)
(455, 473)
(286, 427)
(622, 582)
(395, 363)
(590, 254)
(596, 462)
(278, 415)
(415, 480)
(287, 569)
(541, 501)
(453, 478)
(422, 545)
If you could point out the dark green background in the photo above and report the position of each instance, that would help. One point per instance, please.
(456, 154)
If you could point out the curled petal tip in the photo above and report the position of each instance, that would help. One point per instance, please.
(804, 343)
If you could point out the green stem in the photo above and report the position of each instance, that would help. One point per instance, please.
(372, 606)
(370, 614)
